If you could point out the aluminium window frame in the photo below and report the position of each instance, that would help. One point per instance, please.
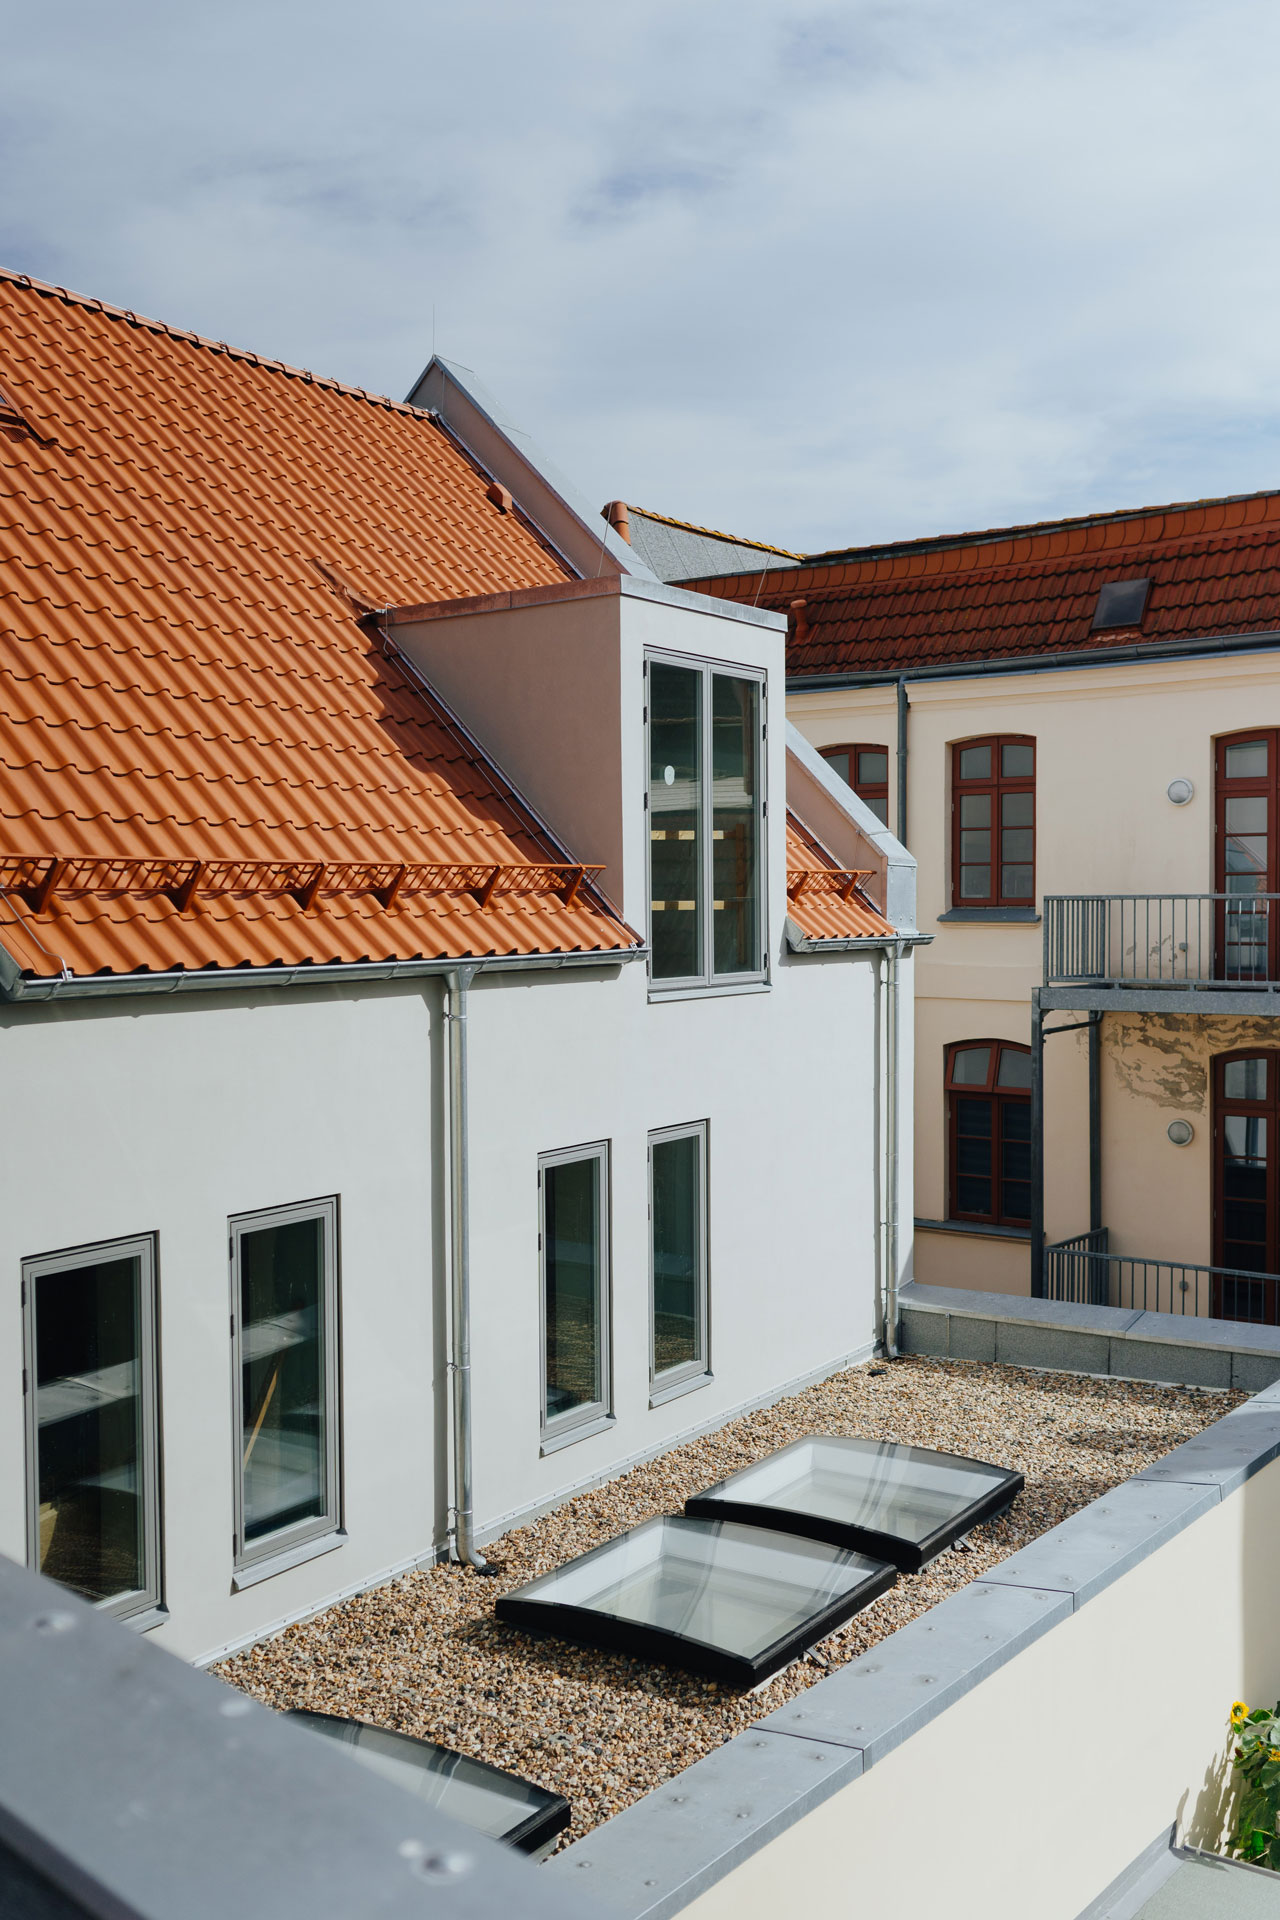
(578, 1423)
(708, 981)
(139, 1605)
(687, 1374)
(996, 786)
(290, 1541)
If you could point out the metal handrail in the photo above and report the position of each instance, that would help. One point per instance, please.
(1083, 1270)
(1161, 939)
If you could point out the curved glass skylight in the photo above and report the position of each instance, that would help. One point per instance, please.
(904, 1504)
(736, 1602)
(469, 1791)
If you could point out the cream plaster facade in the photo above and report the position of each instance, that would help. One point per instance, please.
(1109, 740)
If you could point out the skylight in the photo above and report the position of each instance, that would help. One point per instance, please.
(736, 1602)
(903, 1504)
(469, 1791)
(1121, 603)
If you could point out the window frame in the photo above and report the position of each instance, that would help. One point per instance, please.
(708, 981)
(1228, 787)
(149, 1598)
(868, 790)
(687, 1374)
(1225, 1292)
(999, 1096)
(576, 1423)
(300, 1534)
(997, 786)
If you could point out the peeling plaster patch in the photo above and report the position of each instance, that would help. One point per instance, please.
(1164, 1057)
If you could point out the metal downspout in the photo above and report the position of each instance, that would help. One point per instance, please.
(892, 957)
(457, 983)
(877, 1154)
(904, 707)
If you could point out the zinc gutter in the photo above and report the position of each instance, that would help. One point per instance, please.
(801, 942)
(15, 987)
(1042, 663)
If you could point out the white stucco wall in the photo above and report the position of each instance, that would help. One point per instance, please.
(170, 1115)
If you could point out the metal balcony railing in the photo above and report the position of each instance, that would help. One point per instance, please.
(1083, 1270)
(1162, 940)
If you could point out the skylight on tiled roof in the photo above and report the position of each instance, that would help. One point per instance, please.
(1121, 603)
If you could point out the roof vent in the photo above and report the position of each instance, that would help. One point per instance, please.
(800, 620)
(500, 496)
(618, 515)
(1121, 603)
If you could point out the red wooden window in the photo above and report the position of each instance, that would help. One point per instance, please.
(993, 822)
(866, 769)
(989, 1132)
(1247, 779)
(1246, 1198)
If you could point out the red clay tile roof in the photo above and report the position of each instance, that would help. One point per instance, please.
(186, 533)
(824, 899)
(1214, 567)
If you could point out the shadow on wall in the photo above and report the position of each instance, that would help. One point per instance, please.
(1208, 1821)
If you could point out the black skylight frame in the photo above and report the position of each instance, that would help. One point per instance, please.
(1121, 603)
(591, 1626)
(907, 1555)
(535, 1833)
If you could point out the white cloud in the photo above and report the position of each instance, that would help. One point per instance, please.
(816, 274)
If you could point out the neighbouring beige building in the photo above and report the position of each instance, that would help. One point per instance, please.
(1075, 727)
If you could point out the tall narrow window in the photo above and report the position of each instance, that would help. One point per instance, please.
(285, 1329)
(993, 822)
(989, 1132)
(92, 1422)
(1247, 782)
(678, 1255)
(866, 770)
(1246, 1210)
(575, 1289)
(706, 809)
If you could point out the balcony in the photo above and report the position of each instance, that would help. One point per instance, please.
(1085, 1271)
(1170, 951)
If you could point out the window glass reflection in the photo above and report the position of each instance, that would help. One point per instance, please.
(283, 1411)
(1247, 761)
(1245, 1079)
(572, 1249)
(89, 1434)
(677, 1252)
(675, 820)
(735, 732)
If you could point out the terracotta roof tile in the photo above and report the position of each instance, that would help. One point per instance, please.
(818, 904)
(180, 680)
(1214, 568)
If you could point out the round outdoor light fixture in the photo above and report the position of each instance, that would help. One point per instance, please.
(1180, 791)
(1181, 1132)
(669, 775)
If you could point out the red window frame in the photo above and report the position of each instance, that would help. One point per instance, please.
(996, 786)
(872, 791)
(1251, 1198)
(1007, 1136)
(1248, 946)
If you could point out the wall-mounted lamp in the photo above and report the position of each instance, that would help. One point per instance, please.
(1181, 1132)
(1180, 791)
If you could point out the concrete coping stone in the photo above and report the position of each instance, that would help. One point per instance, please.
(655, 1857)
(1189, 1330)
(1016, 1307)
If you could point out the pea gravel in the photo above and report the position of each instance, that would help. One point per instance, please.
(426, 1655)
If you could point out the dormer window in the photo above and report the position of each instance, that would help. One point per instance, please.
(706, 812)
(1121, 603)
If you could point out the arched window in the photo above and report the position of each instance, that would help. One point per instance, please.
(988, 1084)
(993, 822)
(1246, 1229)
(866, 769)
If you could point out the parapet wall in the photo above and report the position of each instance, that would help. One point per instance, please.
(1018, 1745)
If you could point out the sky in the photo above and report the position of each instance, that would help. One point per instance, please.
(814, 275)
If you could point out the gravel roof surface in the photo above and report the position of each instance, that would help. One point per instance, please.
(425, 1654)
